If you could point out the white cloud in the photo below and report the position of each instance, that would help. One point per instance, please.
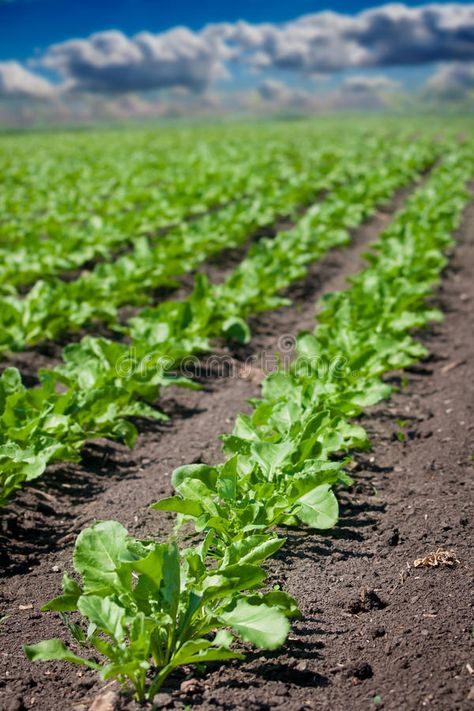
(355, 92)
(279, 94)
(18, 82)
(388, 35)
(111, 62)
(273, 90)
(363, 84)
(454, 79)
(365, 92)
(323, 42)
(96, 73)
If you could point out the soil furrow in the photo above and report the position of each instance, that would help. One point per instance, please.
(376, 628)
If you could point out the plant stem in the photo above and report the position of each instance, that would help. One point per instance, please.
(157, 682)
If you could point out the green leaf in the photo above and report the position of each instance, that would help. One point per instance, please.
(232, 579)
(202, 472)
(172, 578)
(318, 508)
(176, 504)
(272, 456)
(51, 649)
(280, 599)
(152, 565)
(236, 329)
(265, 627)
(104, 613)
(253, 549)
(97, 557)
(202, 650)
(68, 601)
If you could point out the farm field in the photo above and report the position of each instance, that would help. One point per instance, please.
(236, 416)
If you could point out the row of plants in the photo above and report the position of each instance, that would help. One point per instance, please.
(142, 607)
(91, 231)
(101, 383)
(54, 181)
(53, 306)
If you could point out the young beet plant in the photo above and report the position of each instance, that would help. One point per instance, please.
(151, 607)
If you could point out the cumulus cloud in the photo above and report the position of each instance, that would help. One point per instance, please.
(277, 94)
(453, 80)
(111, 62)
(323, 42)
(369, 84)
(310, 44)
(354, 92)
(384, 36)
(364, 92)
(273, 90)
(110, 72)
(17, 82)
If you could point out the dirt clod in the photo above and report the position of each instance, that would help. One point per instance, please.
(189, 687)
(378, 632)
(361, 671)
(105, 702)
(394, 539)
(366, 601)
(163, 701)
(15, 704)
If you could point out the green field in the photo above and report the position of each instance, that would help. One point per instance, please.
(98, 230)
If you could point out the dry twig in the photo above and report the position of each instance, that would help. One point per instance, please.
(438, 557)
(450, 366)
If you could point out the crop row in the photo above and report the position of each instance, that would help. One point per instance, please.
(52, 184)
(54, 307)
(101, 382)
(91, 231)
(64, 204)
(151, 607)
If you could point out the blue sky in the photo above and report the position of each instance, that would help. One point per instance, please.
(27, 26)
(136, 55)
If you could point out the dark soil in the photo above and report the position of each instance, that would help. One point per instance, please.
(376, 632)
